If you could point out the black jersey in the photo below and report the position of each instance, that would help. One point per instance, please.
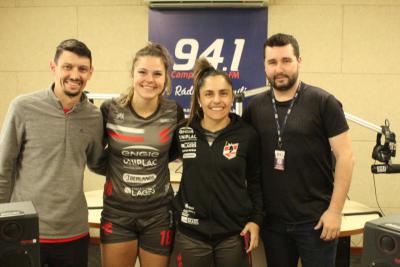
(220, 188)
(137, 178)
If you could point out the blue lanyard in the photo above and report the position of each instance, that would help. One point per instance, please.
(278, 127)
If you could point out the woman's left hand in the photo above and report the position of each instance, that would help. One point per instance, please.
(253, 230)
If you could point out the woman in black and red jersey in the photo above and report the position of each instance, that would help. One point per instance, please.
(136, 220)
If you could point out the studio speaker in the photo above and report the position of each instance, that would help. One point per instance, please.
(382, 242)
(19, 235)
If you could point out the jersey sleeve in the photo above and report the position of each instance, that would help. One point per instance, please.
(253, 176)
(100, 161)
(175, 149)
(105, 109)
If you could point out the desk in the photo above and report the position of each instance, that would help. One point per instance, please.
(354, 217)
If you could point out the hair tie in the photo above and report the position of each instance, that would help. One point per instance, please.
(205, 70)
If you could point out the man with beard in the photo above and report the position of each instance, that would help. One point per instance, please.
(46, 140)
(300, 126)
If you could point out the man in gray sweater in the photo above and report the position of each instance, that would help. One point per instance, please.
(45, 142)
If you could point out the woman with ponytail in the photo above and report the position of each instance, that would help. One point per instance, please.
(218, 207)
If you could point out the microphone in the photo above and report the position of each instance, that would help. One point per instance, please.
(239, 98)
(385, 168)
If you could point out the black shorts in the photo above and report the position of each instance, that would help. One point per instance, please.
(229, 252)
(154, 231)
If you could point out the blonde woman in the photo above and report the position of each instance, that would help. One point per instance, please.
(136, 219)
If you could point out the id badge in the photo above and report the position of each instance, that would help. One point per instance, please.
(279, 162)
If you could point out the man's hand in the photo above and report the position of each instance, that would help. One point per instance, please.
(330, 222)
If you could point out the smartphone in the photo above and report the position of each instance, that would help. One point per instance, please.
(246, 241)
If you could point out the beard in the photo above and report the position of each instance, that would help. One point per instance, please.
(70, 93)
(283, 87)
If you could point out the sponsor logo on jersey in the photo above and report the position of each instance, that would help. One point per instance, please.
(189, 150)
(140, 151)
(139, 163)
(187, 215)
(138, 178)
(138, 157)
(187, 155)
(187, 134)
(188, 142)
(230, 150)
(140, 191)
(188, 145)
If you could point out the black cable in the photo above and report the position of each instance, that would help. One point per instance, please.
(376, 195)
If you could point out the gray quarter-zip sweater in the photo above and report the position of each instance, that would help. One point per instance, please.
(43, 153)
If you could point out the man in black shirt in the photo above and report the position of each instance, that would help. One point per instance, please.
(300, 126)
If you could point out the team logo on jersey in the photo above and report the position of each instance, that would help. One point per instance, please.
(120, 116)
(230, 150)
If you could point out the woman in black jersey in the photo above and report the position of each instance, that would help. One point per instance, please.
(136, 220)
(218, 206)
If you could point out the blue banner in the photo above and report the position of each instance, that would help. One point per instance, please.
(231, 39)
